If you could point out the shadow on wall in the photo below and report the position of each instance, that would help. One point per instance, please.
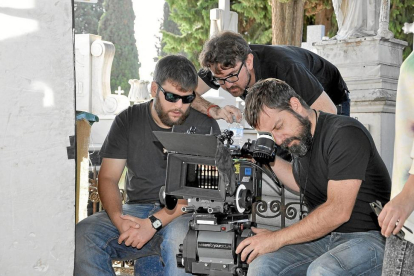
(37, 116)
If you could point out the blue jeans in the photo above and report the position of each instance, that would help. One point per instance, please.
(97, 245)
(399, 257)
(347, 254)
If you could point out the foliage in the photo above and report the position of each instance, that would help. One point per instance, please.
(255, 20)
(87, 17)
(169, 26)
(117, 26)
(401, 12)
(314, 6)
(193, 20)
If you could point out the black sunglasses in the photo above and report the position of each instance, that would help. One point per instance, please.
(232, 78)
(172, 98)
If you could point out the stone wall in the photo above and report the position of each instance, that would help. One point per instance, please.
(37, 116)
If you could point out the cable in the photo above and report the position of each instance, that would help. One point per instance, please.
(269, 172)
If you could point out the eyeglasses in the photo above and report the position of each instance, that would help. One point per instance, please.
(171, 97)
(230, 78)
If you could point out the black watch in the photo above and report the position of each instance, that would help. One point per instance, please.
(156, 223)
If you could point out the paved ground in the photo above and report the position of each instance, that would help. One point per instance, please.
(124, 271)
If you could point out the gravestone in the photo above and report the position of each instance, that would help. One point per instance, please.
(314, 33)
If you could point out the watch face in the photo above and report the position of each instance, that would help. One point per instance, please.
(157, 224)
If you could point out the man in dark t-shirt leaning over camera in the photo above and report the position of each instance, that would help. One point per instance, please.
(141, 227)
(338, 171)
(229, 62)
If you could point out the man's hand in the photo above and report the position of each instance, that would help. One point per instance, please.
(393, 215)
(127, 223)
(226, 113)
(136, 237)
(263, 242)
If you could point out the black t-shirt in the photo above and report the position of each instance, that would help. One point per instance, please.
(306, 72)
(344, 149)
(131, 137)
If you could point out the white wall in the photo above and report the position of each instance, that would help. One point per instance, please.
(37, 181)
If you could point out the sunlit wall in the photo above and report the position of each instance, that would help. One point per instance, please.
(37, 180)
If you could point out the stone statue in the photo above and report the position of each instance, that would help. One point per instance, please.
(356, 18)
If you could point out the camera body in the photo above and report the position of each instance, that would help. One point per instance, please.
(220, 190)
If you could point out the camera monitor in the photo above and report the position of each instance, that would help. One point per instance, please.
(191, 166)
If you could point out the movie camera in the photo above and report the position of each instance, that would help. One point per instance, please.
(221, 185)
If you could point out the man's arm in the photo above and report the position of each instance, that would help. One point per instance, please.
(308, 87)
(283, 171)
(398, 209)
(327, 217)
(108, 178)
(215, 112)
(133, 231)
(325, 104)
(139, 237)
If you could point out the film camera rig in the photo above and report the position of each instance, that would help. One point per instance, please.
(221, 185)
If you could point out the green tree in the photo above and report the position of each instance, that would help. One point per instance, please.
(117, 26)
(87, 17)
(169, 26)
(401, 12)
(193, 20)
(255, 20)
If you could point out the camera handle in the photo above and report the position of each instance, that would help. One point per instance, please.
(169, 201)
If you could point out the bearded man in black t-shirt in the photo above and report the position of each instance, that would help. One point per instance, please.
(141, 227)
(231, 63)
(338, 170)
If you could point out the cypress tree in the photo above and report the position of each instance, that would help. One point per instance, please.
(169, 26)
(193, 20)
(87, 17)
(117, 26)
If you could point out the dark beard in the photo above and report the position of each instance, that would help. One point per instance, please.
(304, 138)
(163, 115)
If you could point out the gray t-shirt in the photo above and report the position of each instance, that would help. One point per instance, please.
(131, 137)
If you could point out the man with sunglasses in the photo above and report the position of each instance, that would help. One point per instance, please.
(141, 227)
(229, 62)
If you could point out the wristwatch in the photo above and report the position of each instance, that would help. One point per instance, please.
(156, 223)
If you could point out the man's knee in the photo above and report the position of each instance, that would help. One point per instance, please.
(96, 229)
(354, 257)
(260, 266)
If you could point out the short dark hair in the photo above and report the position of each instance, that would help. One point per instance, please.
(272, 93)
(225, 48)
(178, 70)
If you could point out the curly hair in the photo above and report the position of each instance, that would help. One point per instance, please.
(224, 49)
